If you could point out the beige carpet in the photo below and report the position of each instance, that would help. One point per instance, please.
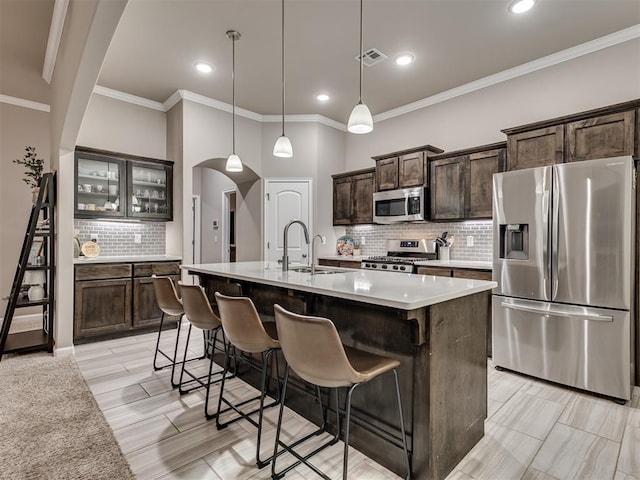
(50, 424)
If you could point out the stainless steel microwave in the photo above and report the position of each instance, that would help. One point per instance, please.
(404, 205)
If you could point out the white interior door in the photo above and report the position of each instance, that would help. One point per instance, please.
(286, 199)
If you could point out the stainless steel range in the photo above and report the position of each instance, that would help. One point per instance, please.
(402, 255)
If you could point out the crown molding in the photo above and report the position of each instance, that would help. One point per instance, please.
(21, 102)
(53, 42)
(126, 97)
(307, 118)
(217, 104)
(538, 64)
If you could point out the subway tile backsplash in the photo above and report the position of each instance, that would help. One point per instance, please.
(117, 238)
(481, 231)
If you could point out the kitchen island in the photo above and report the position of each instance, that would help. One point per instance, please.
(435, 327)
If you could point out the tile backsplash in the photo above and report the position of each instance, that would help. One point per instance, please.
(118, 238)
(481, 231)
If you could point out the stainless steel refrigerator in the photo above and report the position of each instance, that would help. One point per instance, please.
(563, 253)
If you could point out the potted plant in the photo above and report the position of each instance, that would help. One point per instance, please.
(34, 167)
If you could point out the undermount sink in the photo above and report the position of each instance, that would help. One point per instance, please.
(307, 269)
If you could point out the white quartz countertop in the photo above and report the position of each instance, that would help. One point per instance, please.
(396, 290)
(126, 259)
(456, 264)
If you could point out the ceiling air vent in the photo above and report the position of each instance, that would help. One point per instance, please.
(371, 57)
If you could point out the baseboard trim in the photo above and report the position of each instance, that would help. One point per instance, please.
(64, 351)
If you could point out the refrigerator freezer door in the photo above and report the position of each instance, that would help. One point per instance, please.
(593, 226)
(583, 347)
(521, 207)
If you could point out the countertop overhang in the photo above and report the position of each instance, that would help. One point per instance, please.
(395, 290)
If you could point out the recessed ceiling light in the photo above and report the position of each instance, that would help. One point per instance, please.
(322, 97)
(404, 59)
(521, 6)
(203, 67)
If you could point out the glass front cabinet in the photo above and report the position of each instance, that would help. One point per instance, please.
(112, 185)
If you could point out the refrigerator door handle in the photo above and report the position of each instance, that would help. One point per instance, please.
(557, 313)
(554, 224)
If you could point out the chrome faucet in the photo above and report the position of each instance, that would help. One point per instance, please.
(285, 242)
(313, 252)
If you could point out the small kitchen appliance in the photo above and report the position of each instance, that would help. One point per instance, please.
(404, 205)
(402, 256)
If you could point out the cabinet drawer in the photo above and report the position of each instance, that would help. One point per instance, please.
(156, 268)
(438, 271)
(349, 264)
(100, 272)
(472, 274)
(328, 263)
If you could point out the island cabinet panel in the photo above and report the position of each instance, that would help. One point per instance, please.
(437, 271)
(535, 148)
(601, 137)
(387, 174)
(443, 378)
(102, 307)
(447, 188)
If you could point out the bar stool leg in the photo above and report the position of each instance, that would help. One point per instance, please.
(155, 356)
(345, 459)
(206, 402)
(404, 435)
(175, 353)
(186, 347)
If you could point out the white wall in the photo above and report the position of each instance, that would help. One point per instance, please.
(111, 124)
(602, 78)
(206, 135)
(212, 184)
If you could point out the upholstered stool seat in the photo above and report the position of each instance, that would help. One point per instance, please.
(245, 331)
(314, 351)
(199, 313)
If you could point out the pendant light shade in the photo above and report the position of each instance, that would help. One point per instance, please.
(360, 120)
(233, 162)
(282, 147)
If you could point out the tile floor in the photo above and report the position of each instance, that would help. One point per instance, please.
(535, 430)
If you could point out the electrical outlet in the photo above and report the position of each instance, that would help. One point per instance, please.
(323, 239)
(93, 237)
(363, 240)
(137, 238)
(469, 240)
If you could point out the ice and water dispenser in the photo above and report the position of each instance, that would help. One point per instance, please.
(514, 241)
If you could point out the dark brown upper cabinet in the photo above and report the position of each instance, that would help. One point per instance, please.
(447, 188)
(353, 197)
(535, 148)
(112, 185)
(462, 182)
(404, 169)
(601, 133)
(600, 137)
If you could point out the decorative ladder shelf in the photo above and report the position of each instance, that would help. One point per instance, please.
(40, 234)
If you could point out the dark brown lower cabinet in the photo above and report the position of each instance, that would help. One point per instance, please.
(102, 307)
(339, 263)
(145, 308)
(112, 299)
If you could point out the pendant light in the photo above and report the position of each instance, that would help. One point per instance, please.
(282, 147)
(360, 120)
(233, 162)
